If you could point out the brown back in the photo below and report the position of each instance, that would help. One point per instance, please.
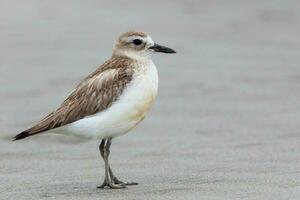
(95, 93)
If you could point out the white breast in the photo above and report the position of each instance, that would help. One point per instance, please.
(125, 113)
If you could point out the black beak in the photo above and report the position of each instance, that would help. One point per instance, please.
(160, 48)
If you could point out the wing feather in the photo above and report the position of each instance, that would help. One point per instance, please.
(94, 94)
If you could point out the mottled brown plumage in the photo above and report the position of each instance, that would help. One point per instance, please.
(94, 94)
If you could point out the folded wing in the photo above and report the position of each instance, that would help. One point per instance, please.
(94, 94)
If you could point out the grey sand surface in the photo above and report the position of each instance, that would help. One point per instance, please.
(226, 121)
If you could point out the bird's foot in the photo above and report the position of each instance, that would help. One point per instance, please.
(116, 184)
(117, 181)
(111, 185)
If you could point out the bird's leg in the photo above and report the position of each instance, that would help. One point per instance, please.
(114, 178)
(104, 151)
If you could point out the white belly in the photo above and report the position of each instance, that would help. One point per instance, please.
(124, 114)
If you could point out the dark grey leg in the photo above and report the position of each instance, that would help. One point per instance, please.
(104, 151)
(115, 179)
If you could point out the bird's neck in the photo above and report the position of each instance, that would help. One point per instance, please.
(131, 55)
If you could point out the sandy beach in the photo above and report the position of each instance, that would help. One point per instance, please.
(226, 121)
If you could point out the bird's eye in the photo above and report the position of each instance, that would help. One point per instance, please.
(137, 42)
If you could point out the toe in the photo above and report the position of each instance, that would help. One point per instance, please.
(102, 186)
(131, 183)
(117, 181)
(116, 186)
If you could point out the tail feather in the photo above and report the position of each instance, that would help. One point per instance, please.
(38, 128)
(22, 135)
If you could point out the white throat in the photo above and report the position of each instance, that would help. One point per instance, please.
(139, 56)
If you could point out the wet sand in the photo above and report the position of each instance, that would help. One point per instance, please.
(226, 121)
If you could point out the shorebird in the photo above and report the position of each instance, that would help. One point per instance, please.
(111, 101)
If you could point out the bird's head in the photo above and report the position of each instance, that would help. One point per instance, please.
(137, 45)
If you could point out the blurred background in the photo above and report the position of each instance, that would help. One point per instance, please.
(226, 121)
